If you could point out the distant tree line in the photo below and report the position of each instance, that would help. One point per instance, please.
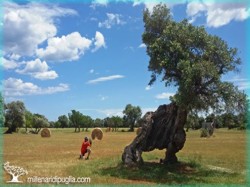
(225, 120)
(14, 115)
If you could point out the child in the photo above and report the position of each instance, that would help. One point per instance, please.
(85, 149)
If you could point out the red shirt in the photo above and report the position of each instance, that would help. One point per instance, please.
(85, 145)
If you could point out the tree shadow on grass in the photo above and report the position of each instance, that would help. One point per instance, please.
(181, 173)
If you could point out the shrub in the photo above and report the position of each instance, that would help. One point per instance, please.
(204, 133)
(242, 127)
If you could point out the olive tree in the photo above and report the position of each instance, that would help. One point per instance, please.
(14, 114)
(194, 61)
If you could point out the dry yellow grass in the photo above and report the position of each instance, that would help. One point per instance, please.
(226, 148)
(52, 157)
(58, 155)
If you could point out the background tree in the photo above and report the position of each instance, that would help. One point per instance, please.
(131, 115)
(117, 121)
(108, 122)
(193, 122)
(52, 124)
(14, 113)
(210, 118)
(242, 120)
(201, 121)
(218, 122)
(28, 120)
(39, 122)
(2, 118)
(64, 121)
(75, 118)
(125, 122)
(57, 124)
(86, 122)
(98, 122)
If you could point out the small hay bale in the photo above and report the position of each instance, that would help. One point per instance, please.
(97, 133)
(138, 131)
(45, 132)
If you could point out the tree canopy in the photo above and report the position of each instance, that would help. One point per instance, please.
(14, 115)
(64, 121)
(28, 120)
(39, 122)
(75, 118)
(193, 60)
(131, 115)
(2, 118)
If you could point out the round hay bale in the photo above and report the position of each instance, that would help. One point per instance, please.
(97, 133)
(45, 132)
(138, 131)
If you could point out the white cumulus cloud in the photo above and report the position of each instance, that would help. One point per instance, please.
(16, 87)
(164, 95)
(148, 87)
(14, 56)
(112, 19)
(218, 14)
(103, 79)
(96, 3)
(9, 64)
(99, 41)
(45, 75)
(28, 25)
(150, 4)
(38, 69)
(66, 48)
(142, 45)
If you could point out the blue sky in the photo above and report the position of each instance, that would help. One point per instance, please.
(90, 56)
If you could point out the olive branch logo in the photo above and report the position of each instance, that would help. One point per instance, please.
(15, 172)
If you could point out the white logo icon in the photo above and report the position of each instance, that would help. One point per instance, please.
(15, 172)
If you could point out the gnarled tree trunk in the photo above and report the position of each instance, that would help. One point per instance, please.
(161, 129)
(10, 130)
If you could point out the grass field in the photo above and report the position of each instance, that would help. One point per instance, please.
(220, 159)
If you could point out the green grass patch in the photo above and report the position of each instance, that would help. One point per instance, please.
(192, 172)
